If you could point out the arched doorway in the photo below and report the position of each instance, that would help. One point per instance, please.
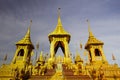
(59, 44)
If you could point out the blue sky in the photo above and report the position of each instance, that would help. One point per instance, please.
(104, 17)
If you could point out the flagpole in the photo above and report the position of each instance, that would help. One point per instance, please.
(37, 48)
(114, 59)
(36, 56)
(5, 58)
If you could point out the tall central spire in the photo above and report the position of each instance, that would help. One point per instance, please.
(59, 27)
(59, 38)
(59, 30)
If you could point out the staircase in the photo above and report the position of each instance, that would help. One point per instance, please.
(49, 73)
(67, 75)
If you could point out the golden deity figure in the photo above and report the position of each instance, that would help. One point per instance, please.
(40, 66)
(78, 66)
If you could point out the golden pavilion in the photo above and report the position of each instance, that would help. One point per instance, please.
(51, 67)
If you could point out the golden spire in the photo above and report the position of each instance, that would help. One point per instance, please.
(59, 30)
(89, 30)
(92, 39)
(27, 36)
(77, 57)
(59, 20)
(26, 39)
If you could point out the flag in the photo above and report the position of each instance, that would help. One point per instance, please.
(27, 60)
(73, 57)
(85, 53)
(47, 54)
(37, 46)
(14, 61)
(5, 57)
(80, 45)
(113, 57)
(32, 53)
(36, 56)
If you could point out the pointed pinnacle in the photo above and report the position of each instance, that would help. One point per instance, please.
(89, 29)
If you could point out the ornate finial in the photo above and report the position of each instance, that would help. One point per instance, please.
(31, 20)
(88, 25)
(29, 27)
(59, 12)
(87, 20)
(30, 23)
(59, 20)
(89, 30)
(59, 9)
